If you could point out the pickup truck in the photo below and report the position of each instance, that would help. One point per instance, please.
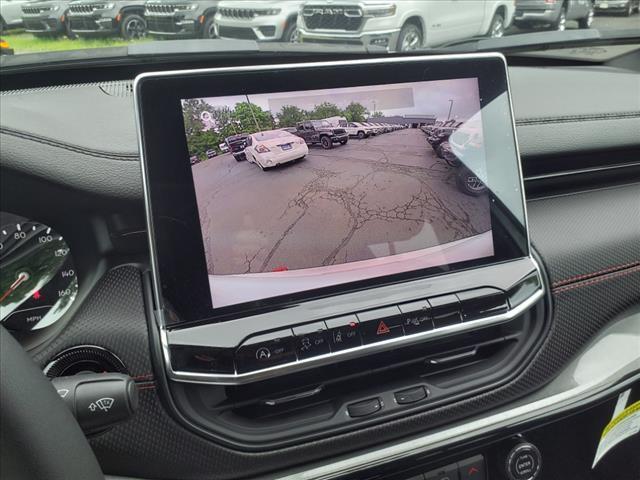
(236, 144)
(403, 26)
(322, 132)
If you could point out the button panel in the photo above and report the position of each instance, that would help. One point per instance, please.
(368, 327)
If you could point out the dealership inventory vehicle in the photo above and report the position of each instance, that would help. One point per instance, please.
(352, 128)
(124, 18)
(355, 129)
(46, 19)
(236, 145)
(403, 26)
(180, 18)
(380, 310)
(258, 20)
(626, 7)
(553, 13)
(271, 148)
(322, 132)
(11, 14)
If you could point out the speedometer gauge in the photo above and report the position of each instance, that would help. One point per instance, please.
(38, 280)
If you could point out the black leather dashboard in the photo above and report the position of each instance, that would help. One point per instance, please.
(82, 138)
(87, 132)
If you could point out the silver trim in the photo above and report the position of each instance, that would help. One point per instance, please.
(581, 171)
(341, 355)
(229, 379)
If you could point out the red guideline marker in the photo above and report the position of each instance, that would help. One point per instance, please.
(282, 268)
(36, 295)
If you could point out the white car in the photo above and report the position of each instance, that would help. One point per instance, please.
(403, 25)
(274, 147)
(258, 20)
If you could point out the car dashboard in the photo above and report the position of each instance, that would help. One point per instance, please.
(524, 399)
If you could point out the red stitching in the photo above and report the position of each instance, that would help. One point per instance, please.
(597, 280)
(584, 276)
(146, 387)
(142, 377)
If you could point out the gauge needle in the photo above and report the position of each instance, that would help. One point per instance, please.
(22, 277)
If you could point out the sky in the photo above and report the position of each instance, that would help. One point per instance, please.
(418, 98)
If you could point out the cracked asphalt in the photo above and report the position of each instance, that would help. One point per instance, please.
(379, 196)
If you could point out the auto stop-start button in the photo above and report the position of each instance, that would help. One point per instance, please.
(523, 462)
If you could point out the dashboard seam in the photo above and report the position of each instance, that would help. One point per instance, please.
(70, 147)
(576, 118)
(603, 271)
(592, 281)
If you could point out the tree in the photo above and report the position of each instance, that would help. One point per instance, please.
(192, 110)
(251, 118)
(199, 142)
(290, 115)
(325, 110)
(376, 114)
(355, 112)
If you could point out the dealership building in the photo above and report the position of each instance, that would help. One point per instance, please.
(414, 121)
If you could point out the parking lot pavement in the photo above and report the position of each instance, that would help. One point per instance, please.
(378, 196)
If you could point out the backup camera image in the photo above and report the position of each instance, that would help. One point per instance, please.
(303, 190)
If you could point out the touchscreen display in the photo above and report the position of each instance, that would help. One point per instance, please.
(301, 190)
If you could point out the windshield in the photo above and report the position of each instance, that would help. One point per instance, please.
(320, 124)
(137, 27)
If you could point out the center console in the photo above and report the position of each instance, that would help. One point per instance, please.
(336, 244)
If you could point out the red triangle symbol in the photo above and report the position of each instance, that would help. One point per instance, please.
(382, 328)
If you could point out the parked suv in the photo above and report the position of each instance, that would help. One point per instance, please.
(10, 14)
(181, 18)
(321, 131)
(258, 20)
(46, 18)
(124, 18)
(553, 13)
(403, 25)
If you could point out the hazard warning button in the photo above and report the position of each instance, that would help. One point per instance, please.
(380, 324)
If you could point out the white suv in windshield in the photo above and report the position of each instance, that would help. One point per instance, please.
(258, 20)
(403, 25)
